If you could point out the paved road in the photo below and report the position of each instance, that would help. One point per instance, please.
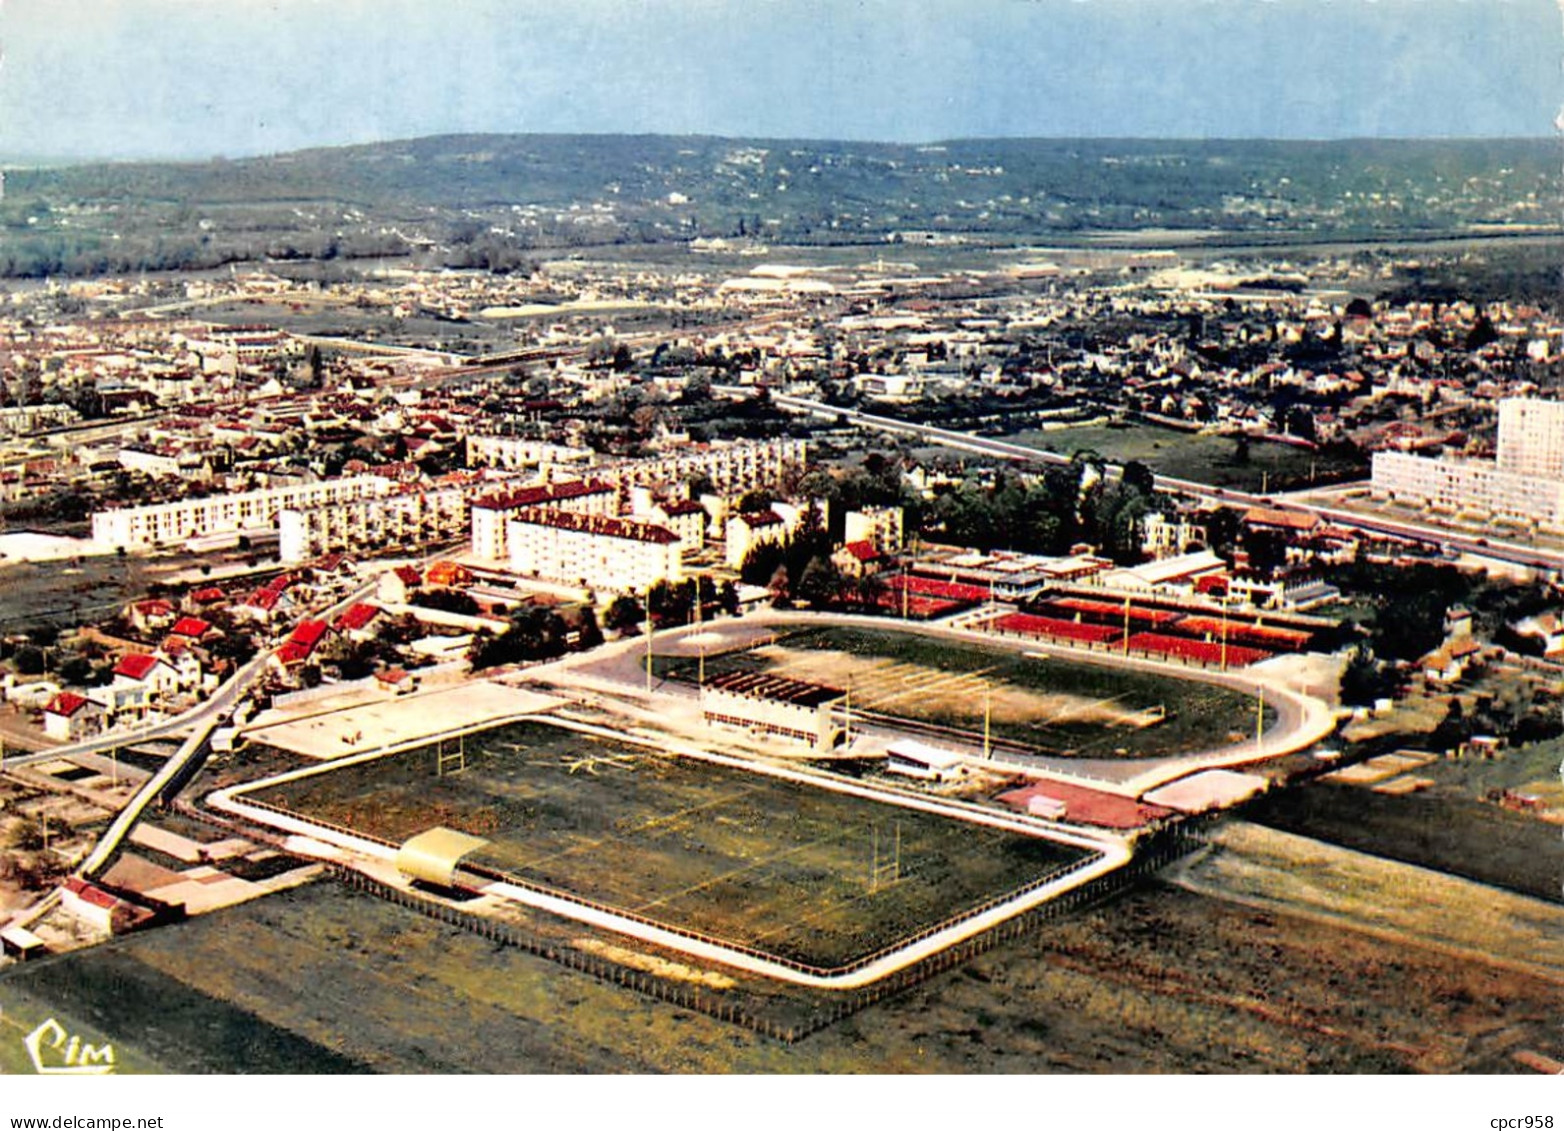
(201, 721)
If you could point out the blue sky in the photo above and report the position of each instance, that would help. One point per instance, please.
(199, 78)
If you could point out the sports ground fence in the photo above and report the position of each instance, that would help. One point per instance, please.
(1154, 856)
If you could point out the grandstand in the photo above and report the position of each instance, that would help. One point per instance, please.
(1154, 630)
(773, 706)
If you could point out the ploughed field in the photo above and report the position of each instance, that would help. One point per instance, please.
(789, 869)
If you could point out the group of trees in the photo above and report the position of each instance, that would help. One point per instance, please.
(672, 603)
(783, 565)
(1064, 506)
(535, 632)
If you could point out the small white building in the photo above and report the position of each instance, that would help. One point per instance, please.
(916, 759)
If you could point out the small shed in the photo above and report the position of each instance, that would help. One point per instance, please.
(433, 855)
(21, 944)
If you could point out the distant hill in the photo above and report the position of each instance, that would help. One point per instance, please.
(524, 192)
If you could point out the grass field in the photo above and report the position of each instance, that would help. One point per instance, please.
(1438, 828)
(1056, 706)
(789, 869)
(1202, 458)
(321, 978)
(155, 1023)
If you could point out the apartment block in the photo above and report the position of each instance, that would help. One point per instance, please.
(165, 524)
(409, 519)
(492, 513)
(593, 551)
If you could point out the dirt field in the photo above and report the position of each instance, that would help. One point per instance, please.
(794, 870)
(1056, 706)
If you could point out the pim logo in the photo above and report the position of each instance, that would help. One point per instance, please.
(54, 1052)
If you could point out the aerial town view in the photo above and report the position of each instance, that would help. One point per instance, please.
(497, 578)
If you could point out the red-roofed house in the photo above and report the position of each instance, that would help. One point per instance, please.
(69, 716)
(356, 621)
(308, 639)
(265, 606)
(192, 628)
(858, 559)
(338, 563)
(449, 574)
(397, 584)
(398, 681)
(150, 675)
(205, 598)
(95, 907)
(153, 615)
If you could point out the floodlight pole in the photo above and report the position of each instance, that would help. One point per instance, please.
(988, 752)
(1259, 716)
(649, 630)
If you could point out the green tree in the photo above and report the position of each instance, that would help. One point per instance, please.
(624, 615)
(28, 660)
(821, 582)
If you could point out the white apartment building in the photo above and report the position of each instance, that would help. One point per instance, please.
(746, 531)
(879, 525)
(732, 468)
(593, 551)
(162, 524)
(1531, 437)
(21, 420)
(685, 518)
(224, 349)
(491, 513)
(514, 453)
(1473, 487)
(409, 519)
